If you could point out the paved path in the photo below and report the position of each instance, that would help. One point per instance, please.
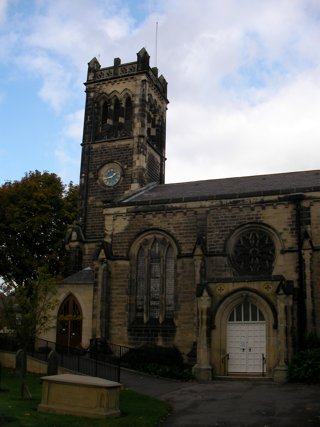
(232, 403)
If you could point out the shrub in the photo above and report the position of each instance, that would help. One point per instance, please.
(305, 366)
(311, 342)
(155, 360)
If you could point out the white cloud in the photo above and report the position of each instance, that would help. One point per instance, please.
(279, 134)
(74, 125)
(243, 76)
(56, 78)
(3, 11)
(68, 156)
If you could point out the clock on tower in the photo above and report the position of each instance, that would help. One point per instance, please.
(123, 146)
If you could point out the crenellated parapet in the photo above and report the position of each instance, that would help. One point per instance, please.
(142, 65)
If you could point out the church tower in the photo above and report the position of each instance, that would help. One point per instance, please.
(123, 147)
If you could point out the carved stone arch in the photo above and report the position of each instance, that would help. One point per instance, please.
(239, 294)
(69, 322)
(102, 115)
(102, 98)
(113, 95)
(220, 320)
(253, 249)
(125, 94)
(152, 290)
(128, 112)
(71, 294)
(145, 236)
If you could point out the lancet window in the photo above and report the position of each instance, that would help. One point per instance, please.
(154, 280)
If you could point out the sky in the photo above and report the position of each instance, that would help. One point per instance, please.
(243, 81)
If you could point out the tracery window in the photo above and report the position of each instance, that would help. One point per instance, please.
(253, 251)
(141, 284)
(69, 323)
(246, 312)
(115, 117)
(154, 290)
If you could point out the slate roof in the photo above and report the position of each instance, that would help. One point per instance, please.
(85, 276)
(227, 188)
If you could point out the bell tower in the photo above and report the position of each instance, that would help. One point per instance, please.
(123, 147)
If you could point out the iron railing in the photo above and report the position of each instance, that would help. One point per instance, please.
(263, 363)
(100, 359)
(225, 360)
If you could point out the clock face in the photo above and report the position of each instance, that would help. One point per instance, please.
(112, 175)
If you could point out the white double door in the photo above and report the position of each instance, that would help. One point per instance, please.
(246, 346)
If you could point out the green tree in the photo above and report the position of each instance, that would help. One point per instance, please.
(28, 314)
(34, 215)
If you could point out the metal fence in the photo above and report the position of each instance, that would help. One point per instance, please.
(101, 359)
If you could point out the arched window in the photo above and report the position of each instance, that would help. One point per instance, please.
(252, 251)
(155, 277)
(154, 280)
(116, 111)
(141, 284)
(128, 110)
(246, 312)
(104, 113)
(169, 293)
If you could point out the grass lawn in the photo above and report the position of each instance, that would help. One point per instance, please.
(137, 410)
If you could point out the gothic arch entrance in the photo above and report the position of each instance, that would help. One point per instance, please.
(244, 335)
(246, 339)
(69, 323)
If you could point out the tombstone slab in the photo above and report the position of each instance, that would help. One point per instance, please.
(53, 363)
(80, 395)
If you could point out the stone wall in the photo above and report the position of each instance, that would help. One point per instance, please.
(217, 222)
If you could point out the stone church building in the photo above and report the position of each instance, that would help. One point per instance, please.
(227, 269)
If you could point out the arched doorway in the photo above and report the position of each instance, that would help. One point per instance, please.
(246, 339)
(69, 323)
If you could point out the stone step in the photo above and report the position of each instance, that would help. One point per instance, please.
(253, 378)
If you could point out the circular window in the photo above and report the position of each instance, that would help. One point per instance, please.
(253, 252)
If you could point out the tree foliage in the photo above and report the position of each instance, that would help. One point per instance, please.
(34, 215)
(28, 314)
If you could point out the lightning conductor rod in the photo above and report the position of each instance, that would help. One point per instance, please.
(156, 47)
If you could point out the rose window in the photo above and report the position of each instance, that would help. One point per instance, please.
(253, 253)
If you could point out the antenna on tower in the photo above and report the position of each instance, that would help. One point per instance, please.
(156, 47)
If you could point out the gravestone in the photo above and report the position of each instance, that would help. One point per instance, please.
(21, 362)
(53, 363)
(21, 368)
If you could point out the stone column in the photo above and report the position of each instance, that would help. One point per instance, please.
(203, 370)
(307, 258)
(280, 371)
(97, 289)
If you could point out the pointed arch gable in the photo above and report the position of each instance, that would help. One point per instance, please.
(126, 93)
(114, 94)
(69, 322)
(75, 304)
(155, 232)
(236, 297)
